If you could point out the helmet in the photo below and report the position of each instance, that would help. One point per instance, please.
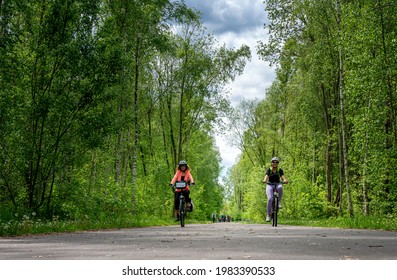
(275, 159)
(182, 162)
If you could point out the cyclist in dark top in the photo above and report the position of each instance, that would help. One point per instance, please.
(273, 175)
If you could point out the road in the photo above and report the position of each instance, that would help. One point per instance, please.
(219, 241)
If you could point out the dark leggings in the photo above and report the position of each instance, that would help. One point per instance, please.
(178, 194)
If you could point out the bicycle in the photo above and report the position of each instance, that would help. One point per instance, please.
(182, 201)
(275, 203)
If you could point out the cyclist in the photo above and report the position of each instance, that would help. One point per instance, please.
(273, 175)
(182, 174)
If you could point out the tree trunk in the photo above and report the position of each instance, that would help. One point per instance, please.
(328, 158)
(342, 112)
(118, 148)
(181, 110)
(365, 191)
(391, 122)
(92, 179)
(135, 122)
(163, 130)
(117, 160)
(314, 158)
(173, 145)
(341, 171)
(181, 115)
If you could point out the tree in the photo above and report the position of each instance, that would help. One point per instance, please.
(57, 91)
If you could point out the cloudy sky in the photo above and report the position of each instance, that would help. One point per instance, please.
(237, 22)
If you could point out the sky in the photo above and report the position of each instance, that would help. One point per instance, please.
(234, 23)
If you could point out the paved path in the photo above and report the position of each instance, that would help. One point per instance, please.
(220, 241)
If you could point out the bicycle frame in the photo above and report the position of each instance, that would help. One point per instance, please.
(274, 209)
(275, 205)
(182, 209)
(182, 202)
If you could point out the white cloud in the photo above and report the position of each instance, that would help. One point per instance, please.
(235, 23)
(228, 153)
(257, 75)
(252, 84)
(223, 16)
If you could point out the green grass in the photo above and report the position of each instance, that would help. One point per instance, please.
(359, 222)
(31, 225)
(36, 226)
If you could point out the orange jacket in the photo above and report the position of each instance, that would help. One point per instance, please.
(178, 177)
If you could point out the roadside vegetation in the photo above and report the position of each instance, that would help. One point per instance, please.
(330, 116)
(362, 222)
(99, 101)
(30, 224)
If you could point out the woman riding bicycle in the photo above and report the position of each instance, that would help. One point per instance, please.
(273, 175)
(182, 174)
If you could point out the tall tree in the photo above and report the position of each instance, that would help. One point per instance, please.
(59, 91)
(342, 106)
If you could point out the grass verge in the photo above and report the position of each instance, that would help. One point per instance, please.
(37, 226)
(30, 225)
(359, 222)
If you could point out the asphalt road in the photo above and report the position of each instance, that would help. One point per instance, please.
(219, 241)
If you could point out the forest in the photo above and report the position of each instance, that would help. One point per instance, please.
(100, 99)
(330, 115)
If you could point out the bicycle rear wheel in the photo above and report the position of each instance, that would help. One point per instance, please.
(182, 213)
(275, 211)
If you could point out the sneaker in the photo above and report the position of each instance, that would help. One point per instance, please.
(268, 218)
(188, 205)
(279, 205)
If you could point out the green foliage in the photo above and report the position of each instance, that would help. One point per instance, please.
(30, 224)
(99, 100)
(300, 120)
(358, 222)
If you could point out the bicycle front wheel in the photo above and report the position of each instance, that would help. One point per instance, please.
(182, 213)
(275, 211)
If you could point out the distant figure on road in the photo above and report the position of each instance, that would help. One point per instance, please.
(213, 217)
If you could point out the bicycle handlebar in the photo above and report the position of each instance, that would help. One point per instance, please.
(187, 184)
(270, 183)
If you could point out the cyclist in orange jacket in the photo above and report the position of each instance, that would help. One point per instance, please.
(182, 174)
